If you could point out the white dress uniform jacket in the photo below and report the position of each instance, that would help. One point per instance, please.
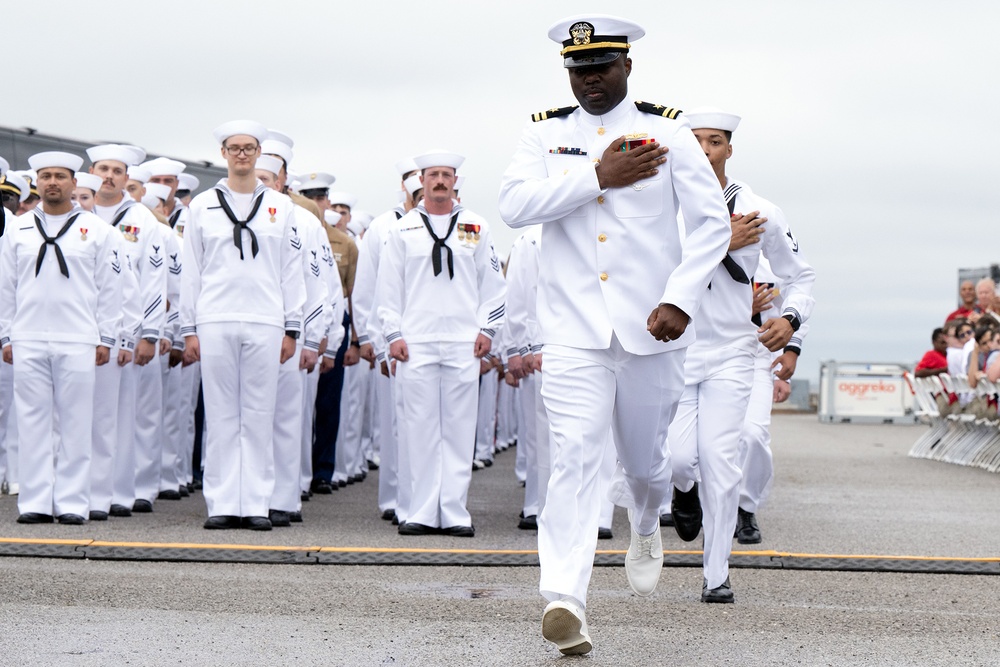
(631, 258)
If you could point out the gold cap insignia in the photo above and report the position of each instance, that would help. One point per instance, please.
(581, 33)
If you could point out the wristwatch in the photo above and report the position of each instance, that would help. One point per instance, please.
(294, 335)
(794, 321)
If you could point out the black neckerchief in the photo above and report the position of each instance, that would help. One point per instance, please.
(240, 225)
(51, 240)
(439, 245)
(174, 217)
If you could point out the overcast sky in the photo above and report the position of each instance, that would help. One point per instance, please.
(872, 125)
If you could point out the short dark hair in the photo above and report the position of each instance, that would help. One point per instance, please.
(937, 332)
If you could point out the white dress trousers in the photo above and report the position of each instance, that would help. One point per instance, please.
(755, 440)
(123, 484)
(54, 383)
(439, 381)
(149, 428)
(703, 442)
(588, 393)
(388, 448)
(239, 370)
(104, 437)
(486, 419)
(287, 496)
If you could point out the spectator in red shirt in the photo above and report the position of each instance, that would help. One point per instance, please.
(966, 292)
(934, 362)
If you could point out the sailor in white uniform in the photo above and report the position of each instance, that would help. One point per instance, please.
(144, 244)
(703, 439)
(60, 297)
(287, 497)
(617, 289)
(242, 296)
(440, 300)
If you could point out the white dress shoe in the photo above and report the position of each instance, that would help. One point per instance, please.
(644, 561)
(565, 625)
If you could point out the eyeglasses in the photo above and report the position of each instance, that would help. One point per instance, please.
(964, 334)
(246, 150)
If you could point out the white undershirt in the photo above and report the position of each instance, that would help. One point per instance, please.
(106, 213)
(241, 204)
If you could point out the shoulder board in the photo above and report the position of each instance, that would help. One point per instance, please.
(658, 109)
(553, 113)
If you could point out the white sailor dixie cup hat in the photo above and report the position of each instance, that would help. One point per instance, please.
(188, 182)
(405, 166)
(712, 118)
(123, 154)
(14, 183)
(139, 173)
(594, 39)
(439, 158)
(232, 128)
(40, 161)
(158, 190)
(269, 163)
(164, 166)
(279, 148)
(89, 181)
(343, 198)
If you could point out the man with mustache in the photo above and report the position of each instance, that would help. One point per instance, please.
(617, 289)
(60, 296)
(440, 299)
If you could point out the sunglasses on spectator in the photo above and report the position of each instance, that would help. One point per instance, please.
(963, 334)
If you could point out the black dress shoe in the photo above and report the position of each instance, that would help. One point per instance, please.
(488, 462)
(341, 483)
(666, 519)
(143, 506)
(35, 517)
(388, 515)
(372, 465)
(722, 594)
(410, 528)
(321, 487)
(120, 510)
(459, 531)
(686, 510)
(71, 519)
(304, 497)
(256, 523)
(169, 494)
(278, 519)
(352, 479)
(395, 519)
(747, 531)
(295, 517)
(529, 522)
(222, 523)
(190, 487)
(196, 485)
(98, 515)
(183, 490)
(604, 534)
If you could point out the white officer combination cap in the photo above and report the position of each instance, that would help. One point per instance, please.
(139, 173)
(405, 166)
(40, 161)
(281, 137)
(14, 183)
(157, 190)
(343, 198)
(331, 217)
(235, 127)
(316, 180)
(124, 154)
(594, 39)
(412, 184)
(269, 163)
(89, 181)
(275, 147)
(439, 158)
(712, 118)
(188, 182)
(164, 166)
(4, 166)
